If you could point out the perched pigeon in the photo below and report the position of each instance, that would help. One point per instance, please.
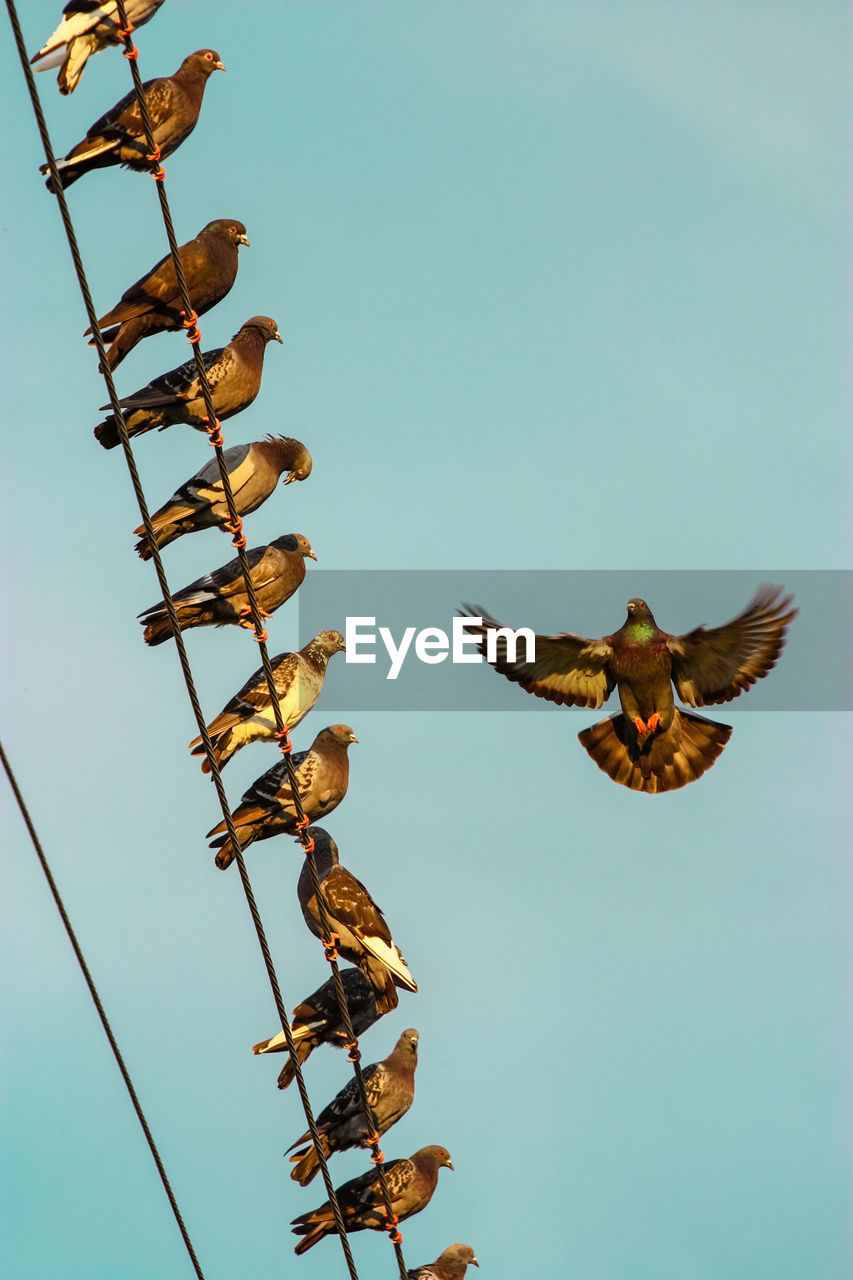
(390, 1088)
(220, 597)
(652, 746)
(249, 716)
(452, 1264)
(410, 1186)
(153, 304)
(87, 27)
(253, 470)
(267, 808)
(233, 373)
(317, 1020)
(363, 937)
(118, 137)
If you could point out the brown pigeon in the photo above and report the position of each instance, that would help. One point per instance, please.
(153, 304)
(220, 597)
(87, 27)
(253, 470)
(248, 717)
(233, 374)
(118, 137)
(267, 808)
(452, 1265)
(317, 1020)
(390, 1088)
(651, 745)
(410, 1186)
(363, 936)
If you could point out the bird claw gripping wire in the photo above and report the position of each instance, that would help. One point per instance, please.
(282, 737)
(377, 1157)
(235, 526)
(191, 322)
(391, 1228)
(124, 32)
(132, 53)
(216, 440)
(303, 822)
(158, 173)
(354, 1054)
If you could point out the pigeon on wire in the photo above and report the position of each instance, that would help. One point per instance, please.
(249, 716)
(219, 598)
(118, 136)
(651, 745)
(390, 1089)
(410, 1183)
(317, 1020)
(253, 470)
(87, 27)
(268, 809)
(234, 377)
(361, 933)
(153, 303)
(452, 1265)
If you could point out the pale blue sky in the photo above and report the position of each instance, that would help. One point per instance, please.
(562, 286)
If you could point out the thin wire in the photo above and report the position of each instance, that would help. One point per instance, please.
(105, 1023)
(173, 619)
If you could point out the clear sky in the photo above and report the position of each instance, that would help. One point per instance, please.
(562, 286)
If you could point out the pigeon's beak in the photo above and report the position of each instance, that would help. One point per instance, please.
(219, 66)
(474, 1262)
(311, 554)
(448, 1164)
(278, 337)
(353, 738)
(289, 479)
(244, 240)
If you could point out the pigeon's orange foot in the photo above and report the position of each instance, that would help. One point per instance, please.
(652, 722)
(246, 616)
(640, 726)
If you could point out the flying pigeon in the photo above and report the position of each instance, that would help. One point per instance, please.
(253, 470)
(390, 1088)
(452, 1265)
(249, 717)
(87, 27)
(233, 374)
(267, 808)
(651, 745)
(220, 597)
(363, 936)
(118, 137)
(317, 1020)
(410, 1186)
(153, 303)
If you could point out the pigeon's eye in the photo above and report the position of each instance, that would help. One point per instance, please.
(232, 228)
(209, 57)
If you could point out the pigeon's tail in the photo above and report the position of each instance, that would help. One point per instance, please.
(666, 760)
(288, 1072)
(68, 174)
(223, 745)
(223, 842)
(77, 54)
(106, 432)
(278, 1043)
(306, 1160)
(382, 981)
(313, 1226)
(157, 628)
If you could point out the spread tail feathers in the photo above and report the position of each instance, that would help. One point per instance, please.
(665, 761)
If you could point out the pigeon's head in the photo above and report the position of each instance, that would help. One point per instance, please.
(303, 546)
(339, 734)
(264, 327)
(438, 1156)
(407, 1045)
(639, 611)
(329, 642)
(460, 1254)
(325, 848)
(228, 227)
(203, 61)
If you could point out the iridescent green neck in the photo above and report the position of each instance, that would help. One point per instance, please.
(642, 629)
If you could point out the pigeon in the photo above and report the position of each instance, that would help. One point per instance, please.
(317, 1020)
(118, 137)
(220, 597)
(452, 1265)
(267, 808)
(410, 1183)
(362, 935)
(253, 471)
(233, 374)
(652, 746)
(153, 304)
(249, 716)
(390, 1088)
(87, 27)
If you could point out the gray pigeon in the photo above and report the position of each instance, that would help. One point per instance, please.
(452, 1265)
(220, 597)
(87, 27)
(118, 136)
(390, 1088)
(267, 808)
(363, 936)
(249, 717)
(410, 1183)
(233, 374)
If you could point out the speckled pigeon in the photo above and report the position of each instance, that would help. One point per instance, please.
(651, 745)
(363, 936)
(249, 717)
(253, 470)
(233, 373)
(219, 598)
(153, 303)
(390, 1088)
(411, 1184)
(87, 27)
(452, 1265)
(267, 808)
(317, 1020)
(118, 136)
